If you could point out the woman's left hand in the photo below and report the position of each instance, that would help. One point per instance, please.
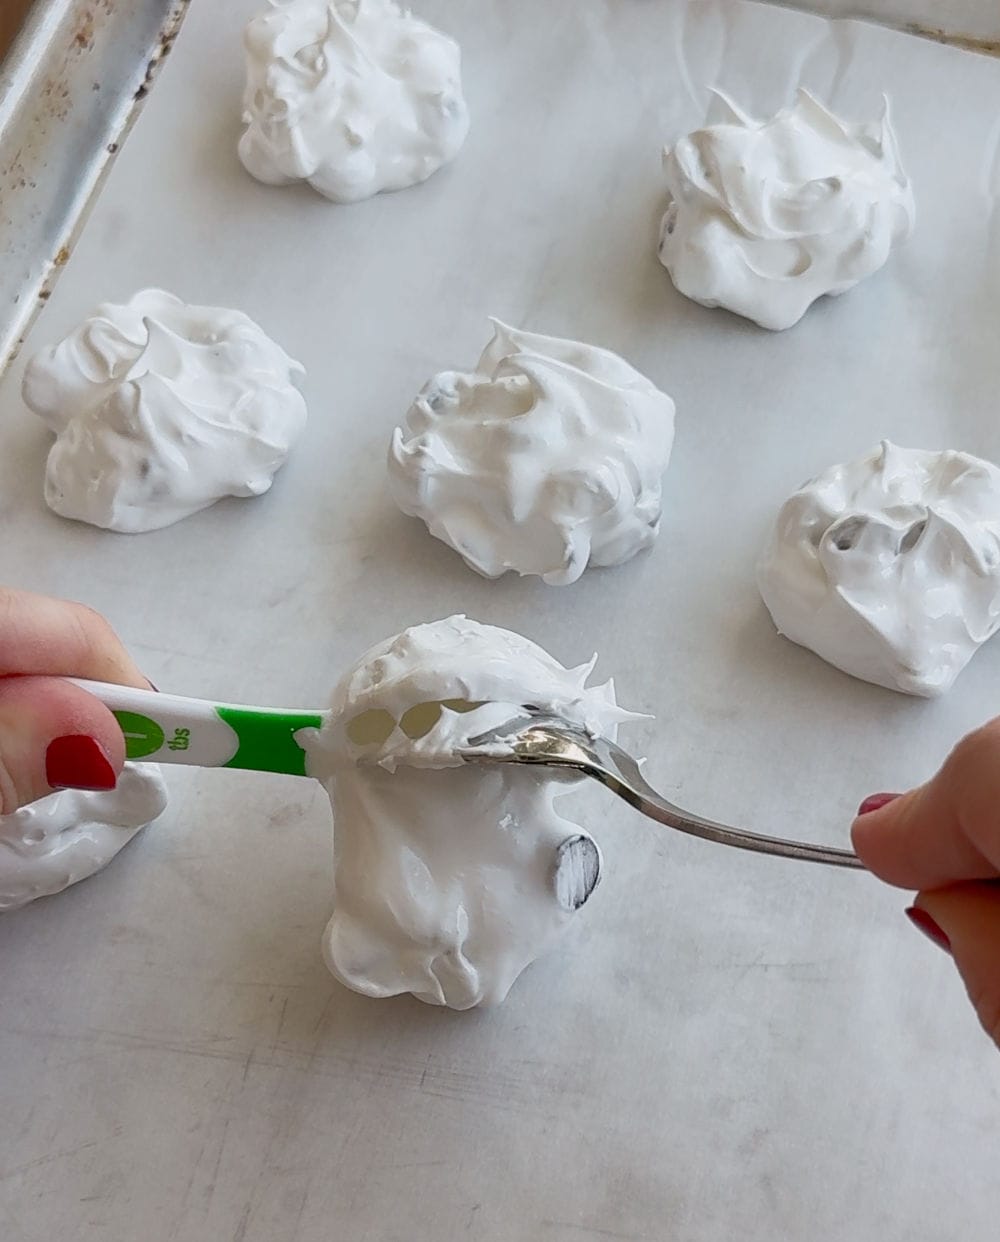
(53, 735)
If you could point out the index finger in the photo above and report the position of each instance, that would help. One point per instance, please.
(947, 830)
(54, 637)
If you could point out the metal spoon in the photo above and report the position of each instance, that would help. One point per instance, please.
(551, 742)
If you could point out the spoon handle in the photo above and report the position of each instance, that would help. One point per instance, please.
(168, 728)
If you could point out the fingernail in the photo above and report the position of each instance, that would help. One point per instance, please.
(922, 921)
(78, 762)
(875, 802)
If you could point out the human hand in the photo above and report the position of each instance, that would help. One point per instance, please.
(943, 840)
(53, 735)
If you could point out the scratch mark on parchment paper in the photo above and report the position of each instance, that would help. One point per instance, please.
(281, 1023)
(760, 964)
(263, 1183)
(592, 1231)
(213, 1177)
(244, 1224)
(324, 1012)
(552, 1087)
(186, 1197)
(407, 1164)
(297, 1223)
(50, 1158)
(798, 972)
(425, 1071)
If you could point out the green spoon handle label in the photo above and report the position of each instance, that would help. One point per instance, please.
(167, 728)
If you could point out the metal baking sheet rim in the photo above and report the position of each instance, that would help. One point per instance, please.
(71, 87)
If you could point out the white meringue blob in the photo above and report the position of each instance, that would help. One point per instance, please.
(160, 409)
(889, 566)
(353, 96)
(66, 837)
(449, 878)
(767, 216)
(548, 457)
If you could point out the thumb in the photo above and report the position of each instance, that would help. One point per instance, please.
(968, 918)
(53, 735)
(944, 832)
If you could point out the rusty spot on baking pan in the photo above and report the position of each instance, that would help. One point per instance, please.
(988, 47)
(164, 44)
(84, 36)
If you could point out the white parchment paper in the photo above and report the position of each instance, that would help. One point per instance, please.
(726, 1046)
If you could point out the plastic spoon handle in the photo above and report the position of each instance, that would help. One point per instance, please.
(167, 728)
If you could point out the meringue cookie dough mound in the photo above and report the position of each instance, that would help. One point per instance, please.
(889, 566)
(548, 457)
(68, 836)
(352, 96)
(449, 878)
(160, 409)
(767, 216)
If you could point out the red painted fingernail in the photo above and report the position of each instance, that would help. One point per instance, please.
(875, 802)
(922, 921)
(78, 761)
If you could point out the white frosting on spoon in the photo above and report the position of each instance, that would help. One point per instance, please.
(160, 409)
(889, 566)
(353, 96)
(66, 837)
(548, 457)
(767, 216)
(449, 878)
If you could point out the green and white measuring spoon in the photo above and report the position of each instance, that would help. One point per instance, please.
(168, 728)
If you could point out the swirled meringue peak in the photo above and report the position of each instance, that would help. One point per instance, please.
(450, 877)
(765, 217)
(160, 409)
(548, 457)
(353, 96)
(889, 566)
(66, 837)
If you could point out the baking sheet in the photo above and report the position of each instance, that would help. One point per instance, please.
(724, 1045)
(974, 22)
(69, 86)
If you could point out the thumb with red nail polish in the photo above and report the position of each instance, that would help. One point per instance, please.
(943, 840)
(53, 735)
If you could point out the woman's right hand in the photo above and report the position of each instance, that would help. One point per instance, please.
(943, 840)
